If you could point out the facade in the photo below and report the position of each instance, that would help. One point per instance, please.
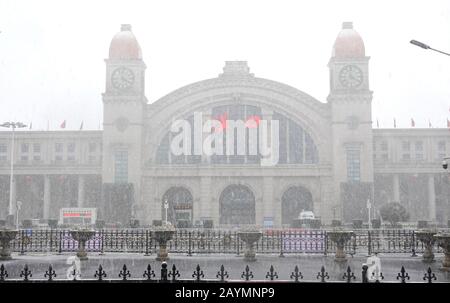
(330, 161)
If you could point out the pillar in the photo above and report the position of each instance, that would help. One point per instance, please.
(204, 211)
(396, 188)
(80, 191)
(47, 191)
(431, 198)
(268, 202)
(153, 186)
(207, 115)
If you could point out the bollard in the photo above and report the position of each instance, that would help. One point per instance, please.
(364, 274)
(164, 272)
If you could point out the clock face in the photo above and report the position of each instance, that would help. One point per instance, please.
(122, 78)
(351, 76)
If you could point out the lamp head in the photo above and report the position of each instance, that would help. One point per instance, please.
(419, 44)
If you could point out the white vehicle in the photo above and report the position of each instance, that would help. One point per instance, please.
(306, 215)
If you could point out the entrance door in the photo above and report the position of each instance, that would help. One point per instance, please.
(237, 206)
(294, 200)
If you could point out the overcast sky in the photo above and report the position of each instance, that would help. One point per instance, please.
(52, 68)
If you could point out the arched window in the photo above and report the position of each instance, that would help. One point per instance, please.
(180, 206)
(296, 146)
(237, 206)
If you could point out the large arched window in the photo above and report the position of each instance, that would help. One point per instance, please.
(294, 200)
(296, 146)
(237, 206)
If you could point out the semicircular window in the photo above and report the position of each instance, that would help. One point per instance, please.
(241, 145)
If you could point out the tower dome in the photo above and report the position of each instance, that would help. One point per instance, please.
(124, 45)
(349, 43)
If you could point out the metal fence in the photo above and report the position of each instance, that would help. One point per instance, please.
(173, 275)
(220, 242)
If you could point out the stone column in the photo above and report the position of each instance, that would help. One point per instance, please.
(268, 201)
(204, 210)
(207, 115)
(47, 191)
(396, 188)
(431, 199)
(155, 199)
(80, 191)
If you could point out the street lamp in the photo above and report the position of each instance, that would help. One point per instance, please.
(166, 207)
(425, 46)
(13, 126)
(369, 207)
(18, 207)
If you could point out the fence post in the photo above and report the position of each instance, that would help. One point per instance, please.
(325, 252)
(281, 243)
(163, 272)
(413, 246)
(60, 242)
(102, 242)
(146, 243)
(22, 242)
(236, 236)
(51, 239)
(364, 274)
(369, 243)
(189, 243)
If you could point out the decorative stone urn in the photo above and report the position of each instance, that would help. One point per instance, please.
(443, 240)
(6, 236)
(340, 238)
(249, 237)
(162, 235)
(426, 236)
(82, 236)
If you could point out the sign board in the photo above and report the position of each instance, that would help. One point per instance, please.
(268, 222)
(77, 216)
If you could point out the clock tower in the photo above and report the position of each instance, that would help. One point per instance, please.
(350, 101)
(124, 104)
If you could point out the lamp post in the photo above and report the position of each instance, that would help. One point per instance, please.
(166, 207)
(18, 207)
(425, 46)
(13, 126)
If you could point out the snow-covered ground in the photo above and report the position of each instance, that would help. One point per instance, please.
(309, 265)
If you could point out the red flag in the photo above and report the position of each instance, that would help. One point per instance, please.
(63, 125)
(413, 124)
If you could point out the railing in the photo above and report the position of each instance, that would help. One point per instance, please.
(281, 242)
(173, 275)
